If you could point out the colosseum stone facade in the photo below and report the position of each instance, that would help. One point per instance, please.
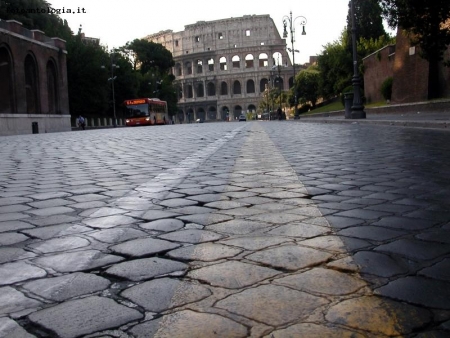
(224, 67)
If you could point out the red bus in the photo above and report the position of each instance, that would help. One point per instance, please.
(145, 112)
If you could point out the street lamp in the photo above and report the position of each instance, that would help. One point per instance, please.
(357, 108)
(112, 78)
(287, 20)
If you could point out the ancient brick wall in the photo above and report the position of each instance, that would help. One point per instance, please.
(377, 68)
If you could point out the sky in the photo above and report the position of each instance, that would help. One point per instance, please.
(117, 22)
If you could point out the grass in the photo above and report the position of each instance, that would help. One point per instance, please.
(337, 105)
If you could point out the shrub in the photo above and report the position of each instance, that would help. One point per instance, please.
(386, 88)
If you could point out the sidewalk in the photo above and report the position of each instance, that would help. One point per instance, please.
(418, 115)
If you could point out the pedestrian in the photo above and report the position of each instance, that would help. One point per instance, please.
(81, 122)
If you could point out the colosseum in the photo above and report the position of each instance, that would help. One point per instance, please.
(224, 68)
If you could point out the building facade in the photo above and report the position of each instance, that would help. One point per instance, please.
(33, 81)
(226, 67)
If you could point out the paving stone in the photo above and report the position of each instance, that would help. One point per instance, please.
(19, 271)
(311, 330)
(185, 323)
(15, 301)
(256, 242)
(329, 243)
(190, 210)
(15, 208)
(59, 244)
(177, 202)
(53, 220)
(363, 214)
(346, 264)
(165, 293)
(14, 200)
(77, 261)
(89, 205)
(14, 225)
(205, 219)
(272, 305)
(418, 290)
(57, 202)
(191, 236)
(303, 230)
(238, 227)
(371, 233)
(49, 195)
(49, 232)
(102, 212)
(109, 221)
(116, 235)
(10, 238)
(9, 328)
(207, 252)
(322, 281)
(343, 222)
(206, 198)
(415, 249)
(224, 205)
(232, 274)
(165, 225)
(13, 254)
(378, 264)
(290, 257)
(145, 268)
(84, 316)
(242, 212)
(68, 286)
(13, 216)
(88, 198)
(439, 236)
(153, 215)
(143, 247)
(440, 270)
(405, 223)
(378, 316)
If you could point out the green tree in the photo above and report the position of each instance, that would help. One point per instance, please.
(154, 63)
(425, 22)
(307, 86)
(368, 20)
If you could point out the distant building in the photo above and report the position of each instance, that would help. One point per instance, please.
(33, 85)
(225, 67)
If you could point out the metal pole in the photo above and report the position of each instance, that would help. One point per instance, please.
(357, 108)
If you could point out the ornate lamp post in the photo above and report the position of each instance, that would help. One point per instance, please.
(357, 108)
(287, 20)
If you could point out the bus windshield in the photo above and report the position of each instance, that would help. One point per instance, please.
(137, 110)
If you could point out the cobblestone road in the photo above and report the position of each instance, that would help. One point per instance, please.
(271, 229)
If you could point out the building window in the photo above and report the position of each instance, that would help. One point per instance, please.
(188, 68)
(176, 43)
(220, 36)
(249, 61)
(199, 66)
(236, 61)
(197, 39)
(200, 90)
(31, 85)
(247, 32)
(223, 63)
(190, 93)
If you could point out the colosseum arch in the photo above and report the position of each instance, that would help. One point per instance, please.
(237, 87)
(224, 114)
(188, 67)
(200, 90)
(211, 89)
(212, 113)
(262, 85)
(52, 87)
(237, 111)
(263, 60)
(249, 61)
(236, 61)
(201, 114)
(250, 86)
(223, 63)
(199, 64)
(223, 88)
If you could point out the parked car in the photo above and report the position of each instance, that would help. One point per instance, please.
(242, 117)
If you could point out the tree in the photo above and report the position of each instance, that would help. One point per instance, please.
(368, 20)
(307, 86)
(425, 22)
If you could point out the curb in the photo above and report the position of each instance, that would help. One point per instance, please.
(397, 123)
